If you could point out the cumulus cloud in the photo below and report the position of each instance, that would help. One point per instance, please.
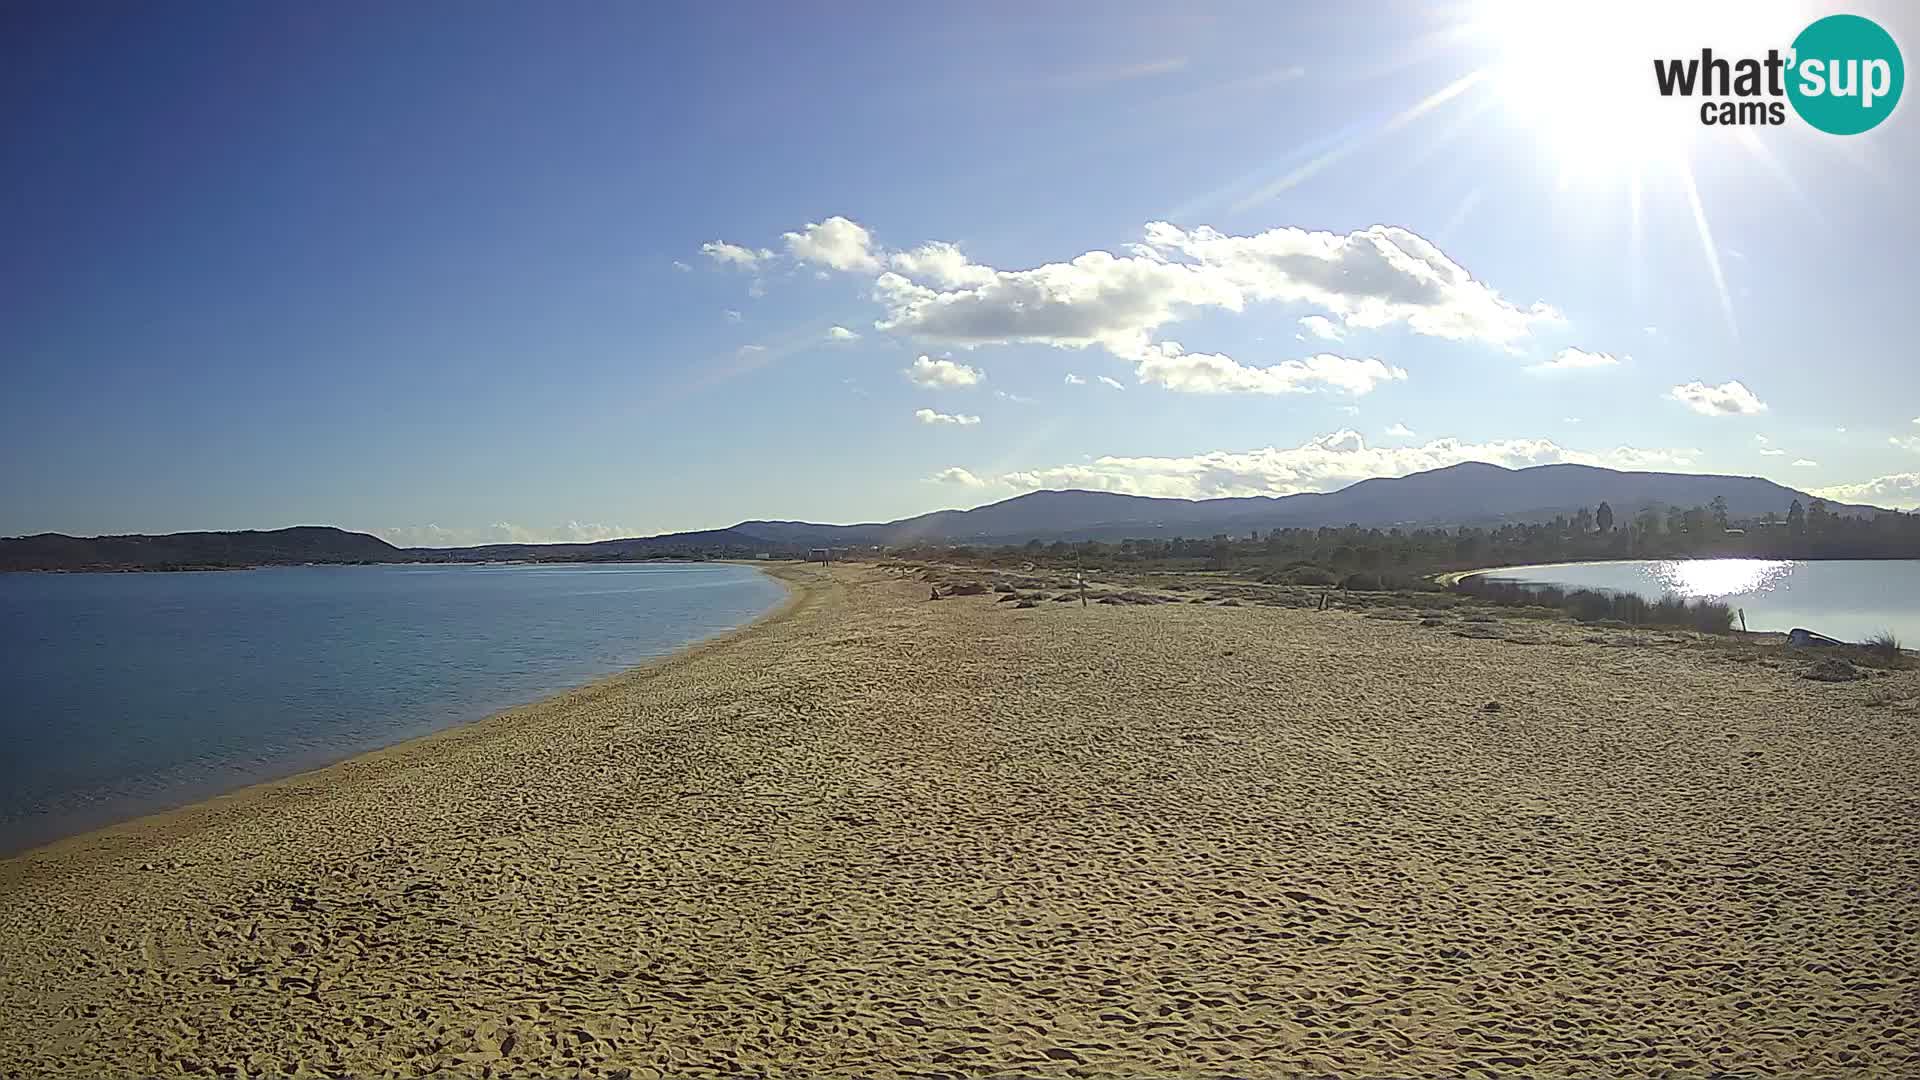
(1322, 327)
(958, 476)
(726, 254)
(1323, 463)
(1379, 276)
(500, 532)
(942, 374)
(1400, 431)
(1167, 364)
(1075, 380)
(682, 266)
(1910, 442)
(1571, 359)
(837, 243)
(1373, 278)
(942, 263)
(1899, 491)
(841, 333)
(1805, 463)
(1727, 399)
(928, 416)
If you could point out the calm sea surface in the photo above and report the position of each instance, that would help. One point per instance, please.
(125, 693)
(1846, 599)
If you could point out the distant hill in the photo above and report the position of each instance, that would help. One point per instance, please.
(1466, 494)
(304, 544)
(1473, 493)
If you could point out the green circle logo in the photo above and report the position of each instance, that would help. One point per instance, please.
(1846, 74)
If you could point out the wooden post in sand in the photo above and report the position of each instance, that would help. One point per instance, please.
(1079, 575)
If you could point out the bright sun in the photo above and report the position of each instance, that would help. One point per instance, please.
(1579, 77)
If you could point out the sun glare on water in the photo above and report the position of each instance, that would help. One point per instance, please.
(1716, 578)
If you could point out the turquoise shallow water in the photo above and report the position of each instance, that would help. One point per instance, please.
(1849, 599)
(125, 693)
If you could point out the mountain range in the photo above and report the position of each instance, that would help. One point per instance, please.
(1472, 493)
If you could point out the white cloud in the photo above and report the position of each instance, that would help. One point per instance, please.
(1400, 431)
(1767, 449)
(500, 532)
(928, 416)
(733, 316)
(1075, 380)
(734, 255)
(1911, 442)
(841, 333)
(838, 243)
(942, 374)
(1840, 430)
(1805, 463)
(1017, 399)
(1112, 383)
(1651, 331)
(757, 289)
(1167, 364)
(1900, 491)
(1322, 327)
(749, 350)
(959, 476)
(1569, 419)
(681, 266)
(1727, 399)
(1373, 278)
(1571, 359)
(1320, 464)
(942, 263)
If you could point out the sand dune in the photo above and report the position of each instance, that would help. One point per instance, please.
(877, 836)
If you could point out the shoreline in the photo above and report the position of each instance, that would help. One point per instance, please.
(791, 595)
(875, 835)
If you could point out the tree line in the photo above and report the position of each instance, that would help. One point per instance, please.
(1329, 554)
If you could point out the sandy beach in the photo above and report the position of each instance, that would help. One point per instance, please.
(873, 835)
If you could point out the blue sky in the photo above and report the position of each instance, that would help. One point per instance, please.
(457, 273)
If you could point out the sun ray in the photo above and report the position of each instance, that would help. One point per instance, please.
(1707, 247)
(1460, 214)
(1636, 234)
(1771, 161)
(1420, 108)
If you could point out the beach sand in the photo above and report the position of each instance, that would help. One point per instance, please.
(879, 836)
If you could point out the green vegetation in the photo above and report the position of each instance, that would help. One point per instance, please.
(1398, 557)
(1588, 605)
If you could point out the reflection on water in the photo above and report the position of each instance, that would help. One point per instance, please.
(1716, 579)
(1848, 599)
